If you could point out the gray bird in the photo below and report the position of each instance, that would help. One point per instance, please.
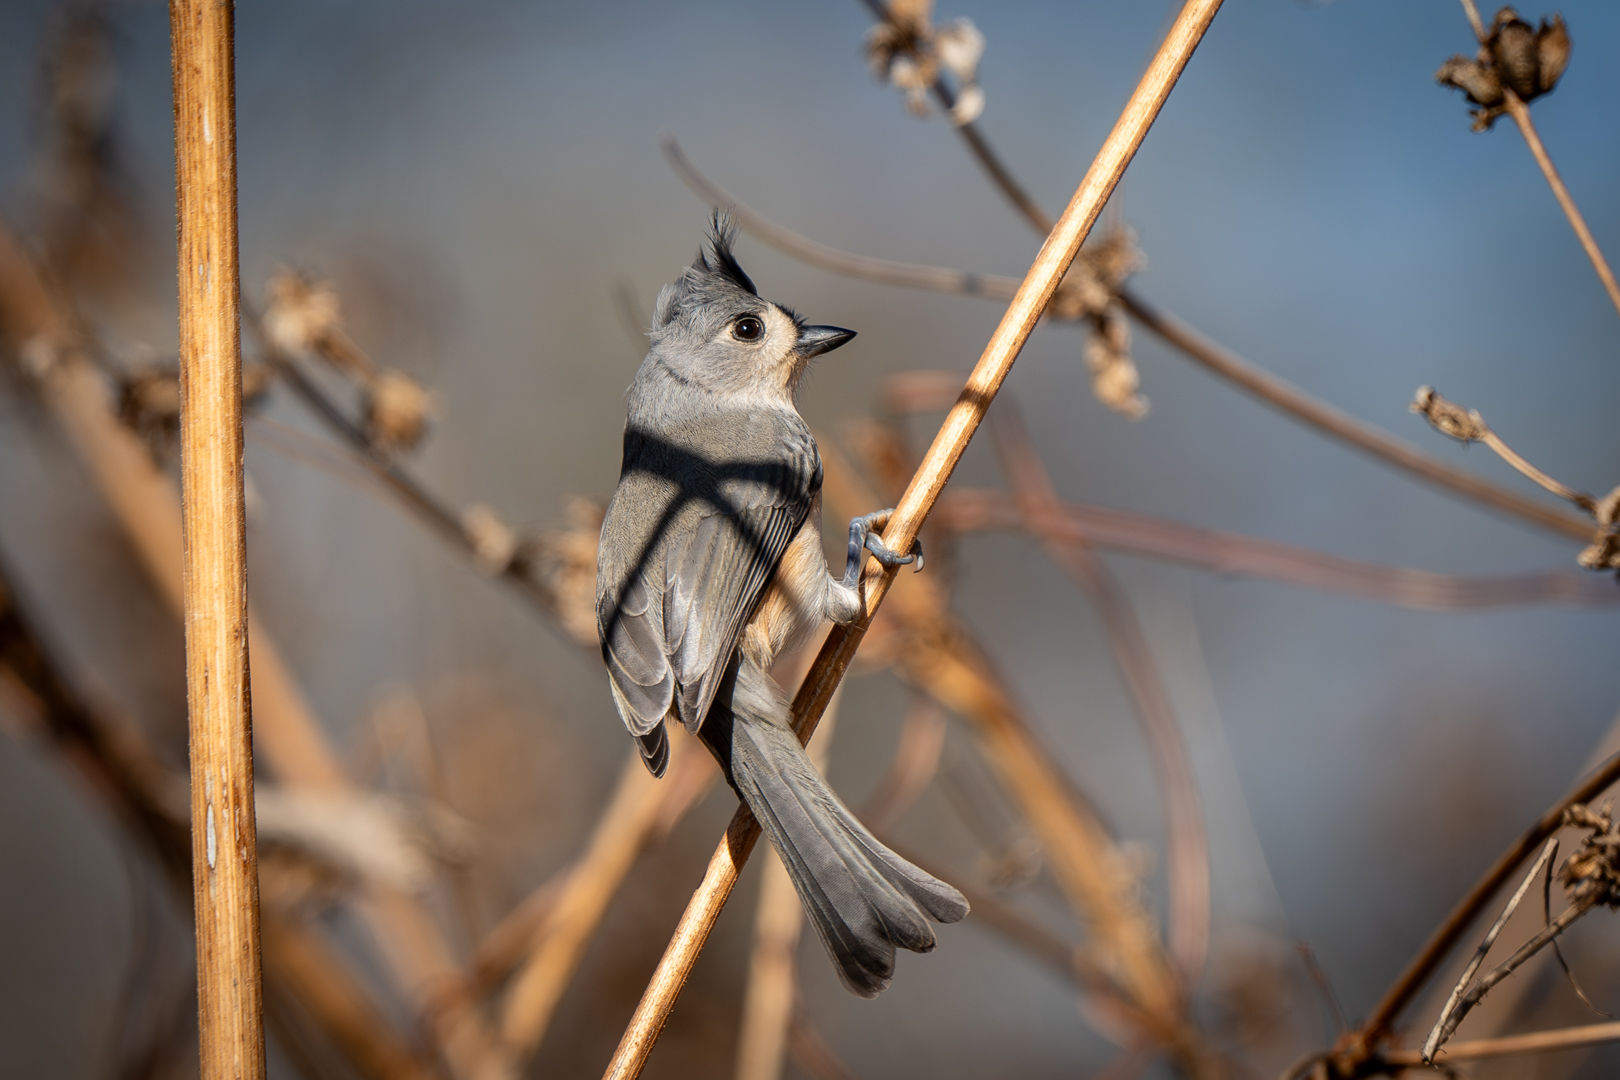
(711, 566)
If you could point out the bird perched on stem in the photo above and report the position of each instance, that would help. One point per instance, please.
(711, 566)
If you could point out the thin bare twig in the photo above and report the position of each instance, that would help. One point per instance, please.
(1442, 1030)
(1187, 844)
(979, 147)
(1467, 425)
(969, 509)
(1268, 388)
(1520, 112)
(1360, 1046)
(1005, 344)
(1535, 1042)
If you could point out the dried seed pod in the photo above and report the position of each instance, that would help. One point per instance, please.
(1552, 48)
(1474, 79)
(302, 313)
(1449, 418)
(493, 542)
(1114, 378)
(398, 409)
(1512, 45)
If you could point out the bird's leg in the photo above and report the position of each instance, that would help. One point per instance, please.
(864, 538)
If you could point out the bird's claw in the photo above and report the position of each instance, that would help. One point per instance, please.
(863, 538)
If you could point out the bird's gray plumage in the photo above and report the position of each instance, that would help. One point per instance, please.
(719, 485)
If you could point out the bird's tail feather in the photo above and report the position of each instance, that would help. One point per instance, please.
(863, 899)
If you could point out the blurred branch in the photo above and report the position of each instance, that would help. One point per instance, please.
(1356, 1049)
(292, 743)
(1263, 385)
(633, 816)
(127, 778)
(935, 654)
(970, 509)
(977, 145)
(1535, 1042)
(1187, 843)
(1467, 425)
(433, 511)
(916, 760)
(1003, 348)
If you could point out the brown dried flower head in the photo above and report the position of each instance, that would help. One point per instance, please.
(493, 542)
(1514, 56)
(1114, 378)
(910, 54)
(1449, 418)
(302, 315)
(398, 409)
(565, 561)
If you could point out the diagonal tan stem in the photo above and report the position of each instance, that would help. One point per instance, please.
(1521, 115)
(961, 422)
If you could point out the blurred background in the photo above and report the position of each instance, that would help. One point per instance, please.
(478, 186)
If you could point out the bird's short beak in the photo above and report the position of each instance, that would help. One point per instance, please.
(815, 340)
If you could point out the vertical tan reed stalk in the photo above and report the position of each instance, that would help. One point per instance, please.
(961, 422)
(224, 850)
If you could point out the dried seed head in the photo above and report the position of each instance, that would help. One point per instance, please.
(1114, 379)
(302, 314)
(565, 561)
(960, 46)
(1514, 56)
(493, 541)
(398, 409)
(1449, 418)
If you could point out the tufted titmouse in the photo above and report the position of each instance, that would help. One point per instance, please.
(711, 566)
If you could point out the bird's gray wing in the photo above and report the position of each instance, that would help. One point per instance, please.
(715, 573)
(630, 605)
(688, 543)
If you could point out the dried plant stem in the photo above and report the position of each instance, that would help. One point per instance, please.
(1441, 1030)
(124, 774)
(1342, 426)
(286, 733)
(1536, 1042)
(225, 865)
(1546, 936)
(1521, 115)
(1187, 844)
(980, 148)
(969, 509)
(934, 653)
(297, 957)
(429, 508)
(1359, 1045)
(1005, 344)
(1222, 362)
(632, 817)
(1473, 18)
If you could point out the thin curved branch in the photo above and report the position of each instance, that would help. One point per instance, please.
(1262, 384)
(970, 509)
(1187, 839)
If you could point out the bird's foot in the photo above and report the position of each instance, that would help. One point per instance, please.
(864, 538)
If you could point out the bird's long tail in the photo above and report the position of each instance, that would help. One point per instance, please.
(863, 898)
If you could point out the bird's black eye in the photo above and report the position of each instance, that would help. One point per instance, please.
(747, 328)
